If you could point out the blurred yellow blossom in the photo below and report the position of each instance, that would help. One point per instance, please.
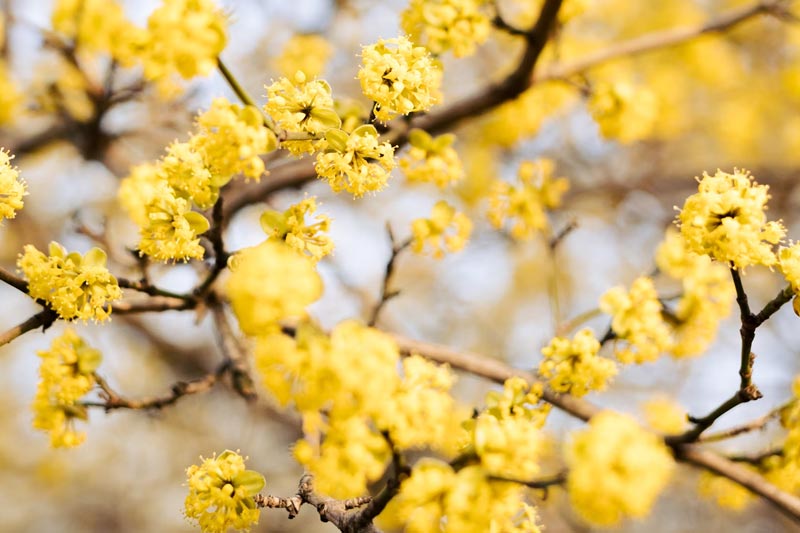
(431, 160)
(665, 416)
(726, 493)
(441, 25)
(616, 469)
(726, 220)
(399, 77)
(221, 493)
(446, 229)
(637, 321)
(66, 374)
(572, 366)
(12, 188)
(76, 286)
(624, 111)
(526, 204)
(306, 53)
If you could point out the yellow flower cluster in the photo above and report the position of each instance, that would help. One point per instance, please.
(789, 264)
(507, 436)
(441, 25)
(305, 53)
(269, 283)
(706, 299)
(159, 197)
(436, 498)
(357, 162)
(302, 105)
(431, 160)
(726, 220)
(12, 188)
(726, 493)
(10, 96)
(637, 321)
(665, 416)
(182, 37)
(572, 366)
(784, 470)
(446, 229)
(623, 111)
(75, 286)
(66, 374)
(310, 239)
(399, 77)
(527, 204)
(352, 377)
(231, 138)
(221, 493)
(616, 469)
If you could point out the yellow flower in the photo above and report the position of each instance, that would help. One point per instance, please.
(290, 226)
(12, 188)
(271, 282)
(728, 494)
(616, 469)
(357, 162)
(172, 228)
(10, 96)
(140, 189)
(636, 320)
(431, 160)
(221, 493)
(441, 25)
(300, 105)
(305, 53)
(401, 78)
(445, 229)
(185, 37)
(75, 286)
(624, 111)
(231, 139)
(789, 264)
(527, 204)
(185, 171)
(726, 220)
(66, 374)
(574, 367)
(665, 416)
(707, 296)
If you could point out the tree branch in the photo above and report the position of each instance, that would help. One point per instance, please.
(180, 389)
(43, 318)
(386, 294)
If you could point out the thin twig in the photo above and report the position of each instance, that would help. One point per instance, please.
(13, 280)
(214, 235)
(112, 400)
(387, 294)
(43, 319)
(244, 96)
(753, 425)
(233, 352)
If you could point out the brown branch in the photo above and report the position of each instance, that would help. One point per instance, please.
(234, 353)
(663, 39)
(155, 304)
(386, 294)
(214, 235)
(112, 400)
(786, 503)
(757, 424)
(542, 483)
(43, 319)
(13, 280)
(145, 287)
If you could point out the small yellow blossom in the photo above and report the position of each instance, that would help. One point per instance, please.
(271, 282)
(66, 374)
(302, 105)
(310, 239)
(221, 493)
(441, 25)
(10, 96)
(76, 286)
(624, 111)
(446, 229)
(527, 204)
(12, 188)
(357, 162)
(231, 139)
(726, 220)
(574, 367)
(616, 469)
(665, 416)
(140, 189)
(789, 264)
(99, 26)
(399, 77)
(637, 321)
(431, 160)
(305, 53)
(726, 493)
(172, 230)
(185, 171)
(185, 37)
(707, 296)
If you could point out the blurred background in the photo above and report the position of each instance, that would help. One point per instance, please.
(721, 101)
